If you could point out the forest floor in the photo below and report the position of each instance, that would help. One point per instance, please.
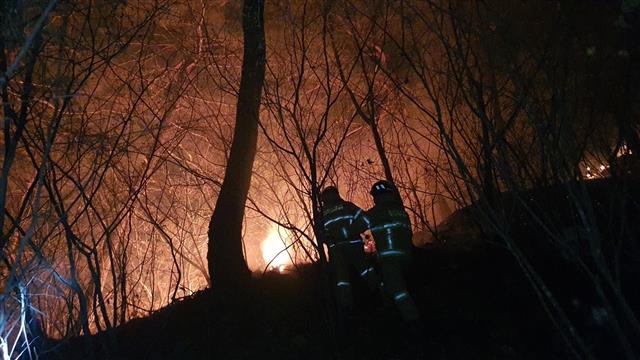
(475, 305)
(475, 302)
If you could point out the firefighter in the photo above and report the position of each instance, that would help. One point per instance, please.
(391, 229)
(346, 248)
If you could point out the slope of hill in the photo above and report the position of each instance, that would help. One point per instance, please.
(475, 301)
(475, 304)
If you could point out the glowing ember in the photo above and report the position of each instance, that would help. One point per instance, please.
(273, 250)
(369, 243)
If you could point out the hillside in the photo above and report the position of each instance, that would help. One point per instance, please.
(475, 304)
(475, 301)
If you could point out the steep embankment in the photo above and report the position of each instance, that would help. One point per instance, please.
(475, 305)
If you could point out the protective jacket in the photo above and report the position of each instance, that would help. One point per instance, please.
(338, 220)
(346, 249)
(391, 229)
(390, 226)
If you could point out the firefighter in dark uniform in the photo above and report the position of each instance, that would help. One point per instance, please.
(346, 248)
(391, 229)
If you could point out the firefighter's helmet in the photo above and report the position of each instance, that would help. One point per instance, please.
(382, 187)
(330, 194)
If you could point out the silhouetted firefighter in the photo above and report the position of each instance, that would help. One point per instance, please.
(391, 229)
(346, 248)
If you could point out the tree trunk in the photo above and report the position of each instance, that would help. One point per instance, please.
(381, 152)
(227, 266)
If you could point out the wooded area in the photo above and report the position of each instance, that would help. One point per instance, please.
(150, 146)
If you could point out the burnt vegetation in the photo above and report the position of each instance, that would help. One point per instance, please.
(162, 163)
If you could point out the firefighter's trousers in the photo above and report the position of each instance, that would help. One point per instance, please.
(345, 256)
(394, 285)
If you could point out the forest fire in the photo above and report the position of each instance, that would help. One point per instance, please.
(152, 149)
(274, 250)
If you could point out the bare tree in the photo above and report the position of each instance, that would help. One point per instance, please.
(227, 267)
(85, 119)
(511, 120)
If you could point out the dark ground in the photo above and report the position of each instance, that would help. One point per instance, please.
(475, 301)
(475, 305)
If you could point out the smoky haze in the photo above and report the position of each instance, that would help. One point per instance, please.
(119, 117)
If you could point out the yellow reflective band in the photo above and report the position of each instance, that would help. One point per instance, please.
(346, 217)
(391, 253)
(395, 225)
(401, 296)
(366, 271)
(348, 242)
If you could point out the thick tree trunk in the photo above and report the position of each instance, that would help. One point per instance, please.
(227, 266)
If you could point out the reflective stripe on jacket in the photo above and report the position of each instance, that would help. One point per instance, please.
(390, 226)
(338, 220)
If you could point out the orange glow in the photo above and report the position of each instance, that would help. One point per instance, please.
(273, 249)
(369, 243)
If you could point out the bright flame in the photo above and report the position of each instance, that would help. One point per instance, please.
(271, 248)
